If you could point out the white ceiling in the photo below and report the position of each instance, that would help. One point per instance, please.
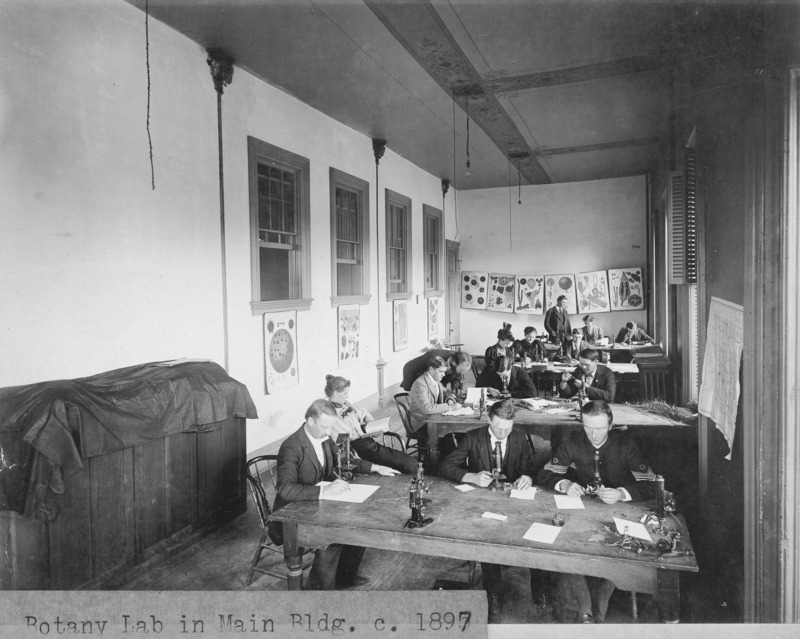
(578, 89)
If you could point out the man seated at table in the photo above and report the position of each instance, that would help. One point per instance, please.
(529, 347)
(472, 463)
(305, 458)
(632, 334)
(429, 397)
(503, 348)
(592, 333)
(516, 379)
(625, 476)
(457, 366)
(569, 354)
(413, 368)
(596, 379)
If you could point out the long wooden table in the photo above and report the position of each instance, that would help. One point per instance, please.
(459, 532)
(540, 424)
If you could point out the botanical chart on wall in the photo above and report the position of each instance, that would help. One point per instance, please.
(400, 324)
(626, 289)
(530, 294)
(500, 296)
(592, 292)
(349, 331)
(280, 350)
(557, 285)
(433, 318)
(473, 289)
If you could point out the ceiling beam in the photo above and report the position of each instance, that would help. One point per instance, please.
(543, 152)
(418, 27)
(570, 75)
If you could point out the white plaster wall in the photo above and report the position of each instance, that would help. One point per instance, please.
(99, 271)
(558, 228)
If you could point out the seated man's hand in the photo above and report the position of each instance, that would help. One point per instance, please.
(482, 479)
(575, 490)
(384, 470)
(523, 482)
(455, 406)
(336, 487)
(577, 383)
(493, 392)
(610, 495)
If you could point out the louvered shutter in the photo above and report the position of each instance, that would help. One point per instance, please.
(676, 207)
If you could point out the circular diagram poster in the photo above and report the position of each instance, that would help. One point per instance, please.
(280, 350)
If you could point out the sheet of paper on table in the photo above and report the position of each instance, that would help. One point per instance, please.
(474, 394)
(358, 493)
(633, 528)
(527, 493)
(466, 410)
(464, 488)
(539, 403)
(558, 410)
(543, 533)
(488, 515)
(564, 502)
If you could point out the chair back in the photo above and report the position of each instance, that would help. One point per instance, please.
(401, 400)
(478, 364)
(390, 439)
(253, 473)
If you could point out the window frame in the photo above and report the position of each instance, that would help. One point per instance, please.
(396, 199)
(340, 179)
(259, 151)
(430, 212)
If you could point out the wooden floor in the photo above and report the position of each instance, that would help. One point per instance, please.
(219, 559)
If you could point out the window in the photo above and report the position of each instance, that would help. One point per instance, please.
(279, 228)
(349, 239)
(432, 249)
(398, 246)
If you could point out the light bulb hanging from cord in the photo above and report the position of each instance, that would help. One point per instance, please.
(468, 164)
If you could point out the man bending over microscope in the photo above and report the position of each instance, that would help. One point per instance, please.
(472, 462)
(607, 464)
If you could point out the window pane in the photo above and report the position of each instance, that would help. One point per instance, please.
(275, 267)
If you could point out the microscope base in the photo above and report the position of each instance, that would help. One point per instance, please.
(412, 523)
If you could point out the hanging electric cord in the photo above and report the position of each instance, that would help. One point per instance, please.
(468, 162)
(455, 179)
(147, 63)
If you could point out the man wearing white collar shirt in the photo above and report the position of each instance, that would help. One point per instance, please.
(594, 378)
(428, 396)
(591, 332)
(472, 462)
(624, 476)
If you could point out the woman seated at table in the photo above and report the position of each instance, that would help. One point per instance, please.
(353, 422)
(457, 365)
(632, 334)
(517, 382)
(503, 348)
(530, 348)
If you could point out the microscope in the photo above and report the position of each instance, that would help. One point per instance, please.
(498, 485)
(482, 404)
(345, 460)
(416, 502)
(665, 503)
(597, 483)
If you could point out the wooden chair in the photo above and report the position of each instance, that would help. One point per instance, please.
(412, 442)
(478, 364)
(390, 439)
(655, 379)
(254, 472)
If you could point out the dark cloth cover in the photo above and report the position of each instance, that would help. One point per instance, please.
(67, 421)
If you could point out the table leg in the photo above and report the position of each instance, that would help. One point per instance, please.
(669, 596)
(293, 557)
(433, 448)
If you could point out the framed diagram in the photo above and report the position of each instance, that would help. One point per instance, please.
(400, 324)
(529, 295)
(592, 291)
(626, 290)
(280, 351)
(473, 289)
(500, 293)
(349, 332)
(433, 317)
(556, 285)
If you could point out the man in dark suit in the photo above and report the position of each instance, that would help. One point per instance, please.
(305, 458)
(632, 334)
(517, 381)
(594, 378)
(624, 476)
(413, 368)
(556, 322)
(472, 462)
